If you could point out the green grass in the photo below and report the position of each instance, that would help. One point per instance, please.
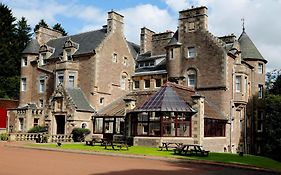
(250, 160)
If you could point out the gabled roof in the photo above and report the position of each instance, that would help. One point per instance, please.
(32, 47)
(79, 99)
(248, 48)
(165, 100)
(87, 42)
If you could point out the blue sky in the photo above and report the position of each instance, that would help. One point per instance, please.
(261, 18)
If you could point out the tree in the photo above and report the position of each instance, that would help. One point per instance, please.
(58, 27)
(272, 123)
(23, 33)
(41, 23)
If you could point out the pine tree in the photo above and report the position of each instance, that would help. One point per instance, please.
(58, 27)
(41, 23)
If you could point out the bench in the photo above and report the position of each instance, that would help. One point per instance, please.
(92, 140)
(168, 145)
(117, 143)
(191, 150)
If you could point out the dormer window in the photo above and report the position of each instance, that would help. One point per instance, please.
(45, 52)
(70, 48)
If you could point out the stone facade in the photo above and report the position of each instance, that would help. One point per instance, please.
(64, 80)
(228, 72)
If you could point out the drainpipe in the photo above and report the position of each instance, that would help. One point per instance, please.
(245, 131)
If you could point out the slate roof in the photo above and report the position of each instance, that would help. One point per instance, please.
(248, 48)
(79, 99)
(32, 47)
(147, 57)
(87, 41)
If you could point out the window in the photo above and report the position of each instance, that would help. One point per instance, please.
(35, 122)
(71, 79)
(214, 128)
(125, 61)
(23, 84)
(260, 68)
(171, 54)
(41, 103)
(44, 58)
(238, 83)
(123, 81)
(98, 125)
(60, 77)
(20, 124)
(191, 52)
(246, 85)
(260, 91)
(146, 84)
(176, 125)
(141, 64)
(101, 100)
(191, 78)
(260, 121)
(24, 62)
(69, 55)
(136, 84)
(42, 85)
(84, 125)
(158, 83)
(114, 58)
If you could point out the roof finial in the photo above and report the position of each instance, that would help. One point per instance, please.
(243, 24)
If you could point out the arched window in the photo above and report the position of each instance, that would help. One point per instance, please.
(123, 79)
(191, 78)
(84, 125)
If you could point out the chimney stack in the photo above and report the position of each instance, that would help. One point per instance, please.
(43, 35)
(115, 22)
(146, 40)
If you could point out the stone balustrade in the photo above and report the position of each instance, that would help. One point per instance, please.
(60, 138)
(35, 136)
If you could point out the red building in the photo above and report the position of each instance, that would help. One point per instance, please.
(4, 105)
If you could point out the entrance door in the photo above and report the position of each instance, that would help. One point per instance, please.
(60, 119)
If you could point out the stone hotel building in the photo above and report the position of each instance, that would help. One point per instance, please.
(185, 85)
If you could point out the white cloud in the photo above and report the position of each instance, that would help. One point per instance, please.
(147, 15)
(178, 5)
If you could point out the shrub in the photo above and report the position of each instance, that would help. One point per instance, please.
(4, 136)
(79, 134)
(37, 129)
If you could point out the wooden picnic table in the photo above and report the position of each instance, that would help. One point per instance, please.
(190, 149)
(116, 145)
(168, 145)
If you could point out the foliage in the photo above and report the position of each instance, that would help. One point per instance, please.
(4, 136)
(41, 23)
(37, 129)
(14, 37)
(272, 129)
(79, 134)
(251, 160)
(276, 89)
(58, 27)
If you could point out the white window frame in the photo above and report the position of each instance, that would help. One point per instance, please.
(41, 103)
(71, 84)
(42, 85)
(37, 124)
(260, 119)
(23, 84)
(125, 61)
(191, 52)
(114, 57)
(135, 84)
(260, 68)
(24, 62)
(238, 84)
(59, 74)
(21, 124)
(260, 92)
(191, 77)
(101, 100)
(123, 81)
(145, 83)
(159, 79)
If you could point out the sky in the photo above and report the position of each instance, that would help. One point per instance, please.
(262, 18)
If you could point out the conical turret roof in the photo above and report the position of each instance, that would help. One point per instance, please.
(248, 48)
(32, 47)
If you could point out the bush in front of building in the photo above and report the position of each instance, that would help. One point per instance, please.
(4, 137)
(37, 129)
(79, 134)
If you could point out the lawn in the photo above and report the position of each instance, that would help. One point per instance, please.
(251, 160)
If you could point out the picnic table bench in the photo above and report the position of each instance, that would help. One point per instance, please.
(168, 145)
(93, 140)
(191, 150)
(116, 145)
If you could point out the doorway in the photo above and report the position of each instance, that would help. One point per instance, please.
(60, 119)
